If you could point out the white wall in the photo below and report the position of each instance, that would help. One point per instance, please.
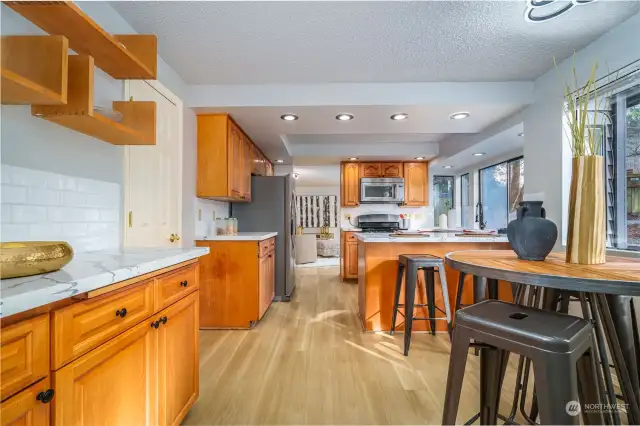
(39, 145)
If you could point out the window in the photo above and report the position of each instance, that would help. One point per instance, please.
(443, 194)
(465, 203)
(501, 189)
(622, 170)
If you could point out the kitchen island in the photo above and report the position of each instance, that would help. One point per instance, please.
(377, 270)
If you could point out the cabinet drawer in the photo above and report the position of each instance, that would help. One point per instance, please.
(26, 409)
(24, 354)
(85, 325)
(267, 246)
(174, 285)
(350, 236)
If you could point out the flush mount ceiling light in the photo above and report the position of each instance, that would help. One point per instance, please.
(479, 154)
(353, 158)
(296, 176)
(399, 116)
(344, 117)
(544, 10)
(419, 158)
(521, 134)
(289, 117)
(447, 167)
(459, 115)
(279, 161)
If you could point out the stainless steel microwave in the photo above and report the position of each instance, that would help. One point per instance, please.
(382, 190)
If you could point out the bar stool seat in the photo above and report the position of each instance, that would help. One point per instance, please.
(552, 340)
(410, 264)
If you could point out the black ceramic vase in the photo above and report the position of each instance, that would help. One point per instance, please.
(532, 236)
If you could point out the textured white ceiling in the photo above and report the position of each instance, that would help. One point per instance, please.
(239, 42)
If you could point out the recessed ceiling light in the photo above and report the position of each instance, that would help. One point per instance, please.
(521, 134)
(479, 154)
(399, 116)
(344, 117)
(296, 176)
(459, 115)
(419, 158)
(353, 158)
(289, 117)
(279, 161)
(447, 167)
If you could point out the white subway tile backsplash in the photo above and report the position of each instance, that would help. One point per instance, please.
(13, 194)
(28, 214)
(38, 205)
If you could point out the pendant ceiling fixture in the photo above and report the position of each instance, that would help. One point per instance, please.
(545, 10)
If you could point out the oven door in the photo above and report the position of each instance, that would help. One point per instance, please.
(381, 191)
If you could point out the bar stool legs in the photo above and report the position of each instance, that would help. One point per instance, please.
(396, 299)
(409, 300)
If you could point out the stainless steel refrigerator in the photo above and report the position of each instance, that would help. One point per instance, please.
(272, 209)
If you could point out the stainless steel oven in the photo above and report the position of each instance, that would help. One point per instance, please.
(382, 190)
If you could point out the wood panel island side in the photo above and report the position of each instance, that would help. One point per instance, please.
(377, 271)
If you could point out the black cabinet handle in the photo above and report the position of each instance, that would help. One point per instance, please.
(164, 320)
(155, 324)
(46, 396)
(121, 312)
(184, 283)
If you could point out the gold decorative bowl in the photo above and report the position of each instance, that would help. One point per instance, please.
(21, 259)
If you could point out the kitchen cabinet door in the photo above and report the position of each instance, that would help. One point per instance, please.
(235, 163)
(351, 260)
(391, 170)
(246, 168)
(350, 184)
(177, 360)
(25, 409)
(416, 185)
(266, 279)
(114, 384)
(370, 170)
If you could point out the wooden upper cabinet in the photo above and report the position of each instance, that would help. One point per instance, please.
(350, 184)
(224, 159)
(177, 360)
(114, 384)
(391, 169)
(370, 170)
(416, 185)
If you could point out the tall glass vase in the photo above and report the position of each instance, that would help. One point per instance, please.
(587, 231)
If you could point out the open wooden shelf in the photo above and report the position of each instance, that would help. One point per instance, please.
(121, 56)
(34, 70)
(138, 126)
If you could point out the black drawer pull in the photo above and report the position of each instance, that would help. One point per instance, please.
(121, 312)
(184, 283)
(155, 324)
(164, 320)
(46, 396)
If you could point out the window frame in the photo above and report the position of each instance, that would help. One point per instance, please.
(510, 160)
(453, 188)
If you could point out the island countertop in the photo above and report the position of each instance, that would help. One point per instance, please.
(86, 272)
(431, 237)
(240, 236)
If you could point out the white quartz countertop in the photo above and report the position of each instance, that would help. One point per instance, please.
(241, 236)
(350, 229)
(88, 271)
(434, 237)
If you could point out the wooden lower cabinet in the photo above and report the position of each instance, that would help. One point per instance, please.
(25, 409)
(267, 282)
(112, 385)
(236, 282)
(348, 255)
(177, 360)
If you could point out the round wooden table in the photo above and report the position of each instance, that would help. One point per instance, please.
(605, 293)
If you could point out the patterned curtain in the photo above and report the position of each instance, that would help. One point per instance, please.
(315, 211)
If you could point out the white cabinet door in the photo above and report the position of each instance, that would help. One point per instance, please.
(153, 181)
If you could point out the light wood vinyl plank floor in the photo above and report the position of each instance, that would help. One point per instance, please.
(308, 362)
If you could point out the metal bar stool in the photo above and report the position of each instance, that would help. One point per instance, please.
(553, 341)
(411, 264)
